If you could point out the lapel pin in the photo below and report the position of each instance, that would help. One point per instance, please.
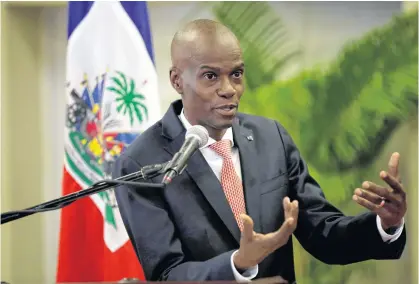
(250, 138)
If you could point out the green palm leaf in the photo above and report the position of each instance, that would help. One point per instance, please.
(363, 97)
(137, 112)
(127, 98)
(144, 108)
(139, 96)
(118, 91)
(132, 87)
(262, 37)
(344, 114)
(118, 82)
(119, 107)
(124, 84)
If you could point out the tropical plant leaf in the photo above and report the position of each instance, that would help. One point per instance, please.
(132, 86)
(118, 82)
(124, 78)
(127, 99)
(119, 107)
(137, 113)
(118, 91)
(262, 37)
(140, 96)
(345, 114)
(131, 114)
(363, 97)
(144, 108)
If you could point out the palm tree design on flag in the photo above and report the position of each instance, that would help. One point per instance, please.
(128, 100)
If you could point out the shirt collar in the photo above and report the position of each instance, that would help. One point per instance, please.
(228, 135)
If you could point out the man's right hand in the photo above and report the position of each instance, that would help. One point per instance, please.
(254, 247)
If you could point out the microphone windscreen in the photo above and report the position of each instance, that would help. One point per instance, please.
(200, 132)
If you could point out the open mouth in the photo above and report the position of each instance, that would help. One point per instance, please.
(228, 107)
(227, 110)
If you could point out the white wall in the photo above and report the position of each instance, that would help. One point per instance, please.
(22, 245)
(54, 39)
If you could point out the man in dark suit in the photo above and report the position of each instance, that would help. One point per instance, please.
(230, 215)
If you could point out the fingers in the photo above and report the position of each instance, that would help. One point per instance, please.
(368, 204)
(248, 232)
(381, 191)
(377, 189)
(394, 195)
(387, 202)
(375, 199)
(280, 237)
(287, 204)
(393, 182)
(370, 196)
(294, 211)
(393, 165)
(290, 208)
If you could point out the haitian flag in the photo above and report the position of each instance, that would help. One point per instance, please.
(112, 97)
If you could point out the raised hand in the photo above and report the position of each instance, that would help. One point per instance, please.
(254, 247)
(388, 202)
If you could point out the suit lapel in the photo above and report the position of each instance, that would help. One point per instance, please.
(201, 173)
(244, 139)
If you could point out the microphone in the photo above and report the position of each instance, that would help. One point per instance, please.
(195, 137)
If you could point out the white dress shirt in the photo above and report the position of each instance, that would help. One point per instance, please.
(215, 162)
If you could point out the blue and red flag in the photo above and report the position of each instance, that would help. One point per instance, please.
(112, 97)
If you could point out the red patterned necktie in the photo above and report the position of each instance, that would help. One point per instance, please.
(230, 181)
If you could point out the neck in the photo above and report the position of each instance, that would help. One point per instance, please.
(216, 134)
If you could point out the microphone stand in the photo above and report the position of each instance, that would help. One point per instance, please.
(144, 173)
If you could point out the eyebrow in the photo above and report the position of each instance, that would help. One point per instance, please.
(241, 65)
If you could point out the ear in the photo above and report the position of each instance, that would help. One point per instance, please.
(176, 79)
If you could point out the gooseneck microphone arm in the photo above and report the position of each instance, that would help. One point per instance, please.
(144, 173)
(196, 136)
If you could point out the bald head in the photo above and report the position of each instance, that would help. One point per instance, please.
(207, 71)
(199, 37)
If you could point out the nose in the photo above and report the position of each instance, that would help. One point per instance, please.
(226, 90)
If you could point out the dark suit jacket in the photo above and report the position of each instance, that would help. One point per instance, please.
(188, 232)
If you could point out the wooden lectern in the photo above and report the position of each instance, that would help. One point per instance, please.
(270, 280)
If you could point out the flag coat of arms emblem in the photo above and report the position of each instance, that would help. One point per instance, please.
(112, 97)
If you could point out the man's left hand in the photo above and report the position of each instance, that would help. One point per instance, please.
(389, 203)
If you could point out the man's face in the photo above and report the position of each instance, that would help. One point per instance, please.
(211, 84)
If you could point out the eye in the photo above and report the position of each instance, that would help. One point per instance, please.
(210, 76)
(238, 74)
